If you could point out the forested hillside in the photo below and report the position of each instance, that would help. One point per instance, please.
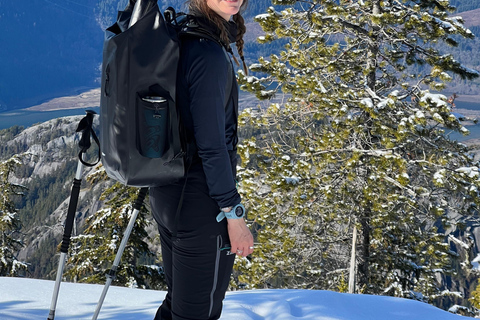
(49, 160)
(465, 5)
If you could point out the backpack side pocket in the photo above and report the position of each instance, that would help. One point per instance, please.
(152, 125)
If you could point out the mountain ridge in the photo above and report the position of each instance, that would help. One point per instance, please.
(44, 58)
(471, 18)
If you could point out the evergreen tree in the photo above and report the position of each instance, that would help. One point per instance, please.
(475, 298)
(94, 251)
(361, 141)
(10, 242)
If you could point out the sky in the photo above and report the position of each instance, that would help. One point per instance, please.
(22, 299)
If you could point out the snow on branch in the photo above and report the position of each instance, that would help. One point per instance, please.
(437, 99)
(459, 242)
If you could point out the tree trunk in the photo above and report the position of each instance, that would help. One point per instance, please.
(373, 49)
(364, 266)
(351, 277)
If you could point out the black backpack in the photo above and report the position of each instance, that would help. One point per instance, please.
(140, 130)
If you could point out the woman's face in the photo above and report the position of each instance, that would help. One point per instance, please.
(225, 8)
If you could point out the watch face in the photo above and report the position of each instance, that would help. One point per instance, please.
(239, 211)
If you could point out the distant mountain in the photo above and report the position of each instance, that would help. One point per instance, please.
(465, 5)
(48, 48)
(471, 18)
(53, 48)
(50, 161)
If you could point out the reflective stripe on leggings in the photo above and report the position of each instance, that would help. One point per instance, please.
(215, 276)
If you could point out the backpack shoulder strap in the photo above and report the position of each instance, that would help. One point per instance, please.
(188, 27)
(230, 75)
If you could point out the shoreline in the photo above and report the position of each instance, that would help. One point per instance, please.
(91, 98)
(87, 99)
(468, 98)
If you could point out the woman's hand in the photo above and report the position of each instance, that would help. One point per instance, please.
(241, 238)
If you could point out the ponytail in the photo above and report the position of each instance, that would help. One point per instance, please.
(241, 29)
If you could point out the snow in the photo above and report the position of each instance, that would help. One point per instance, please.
(8, 216)
(255, 65)
(457, 308)
(464, 130)
(419, 114)
(476, 263)
(445, 25)
(438, 99)
(439, 176)
(292, 180)
(322, 88)
(437, 117)
(22, 298)
(462, 244)
(367, 102)
(459, 116)
(470, 70)
(385, 102)
(471, 172)
(265, 93)
(263, 16)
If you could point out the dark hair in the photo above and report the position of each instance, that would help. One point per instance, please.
(201, 7)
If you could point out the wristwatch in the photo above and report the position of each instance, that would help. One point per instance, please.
(237, 212)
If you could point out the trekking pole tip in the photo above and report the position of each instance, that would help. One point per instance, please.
(51, 316)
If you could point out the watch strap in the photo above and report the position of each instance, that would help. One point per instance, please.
(232, 213)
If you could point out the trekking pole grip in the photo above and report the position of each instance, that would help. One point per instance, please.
(86, 128)
(72, 208)
(140, 198)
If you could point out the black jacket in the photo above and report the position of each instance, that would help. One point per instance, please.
(201, 94)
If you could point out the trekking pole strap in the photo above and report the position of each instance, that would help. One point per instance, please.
(85, 127)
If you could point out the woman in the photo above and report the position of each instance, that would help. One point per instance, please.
(200, 241)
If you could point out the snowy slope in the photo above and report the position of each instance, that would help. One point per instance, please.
(30, 299)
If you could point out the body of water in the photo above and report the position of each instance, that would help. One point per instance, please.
(467, 105)
(26, 118)
(474, 129)
(474, 133)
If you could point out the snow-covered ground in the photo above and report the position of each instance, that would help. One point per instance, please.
(29, 299)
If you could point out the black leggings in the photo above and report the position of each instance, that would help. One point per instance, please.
(198, 262)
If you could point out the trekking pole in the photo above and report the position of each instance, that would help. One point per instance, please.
(112, 273)
(85, 127)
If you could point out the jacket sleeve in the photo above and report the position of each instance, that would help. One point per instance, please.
(206, 76)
